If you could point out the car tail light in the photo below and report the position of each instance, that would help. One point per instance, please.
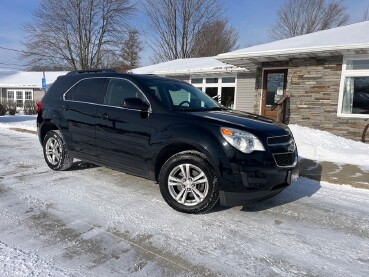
(39, 106)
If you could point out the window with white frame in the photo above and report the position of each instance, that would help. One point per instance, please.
(354, 89)
(220, 88)
(19, 96)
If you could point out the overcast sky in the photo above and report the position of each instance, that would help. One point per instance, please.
(251, 18)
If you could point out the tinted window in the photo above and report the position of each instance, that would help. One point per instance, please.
(87, 90)
(119, 90)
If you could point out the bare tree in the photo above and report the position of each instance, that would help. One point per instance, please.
(173, 25)
(214, 38)
(299, 17)
(130, 53)
(76, 34)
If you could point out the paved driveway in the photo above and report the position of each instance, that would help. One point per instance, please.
(95, 221)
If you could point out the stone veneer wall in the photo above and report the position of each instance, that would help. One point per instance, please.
(313, 86)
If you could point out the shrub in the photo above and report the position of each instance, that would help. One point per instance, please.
(11, 107)
(30, 107)
(3, 107)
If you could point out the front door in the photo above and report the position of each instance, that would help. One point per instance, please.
(274, 88)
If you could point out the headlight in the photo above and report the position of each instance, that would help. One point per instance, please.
(241, 140)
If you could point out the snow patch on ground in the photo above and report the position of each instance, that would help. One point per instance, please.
(324, 146)
(27, 122)
(27, 263)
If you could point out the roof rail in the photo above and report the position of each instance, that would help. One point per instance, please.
(75, 72)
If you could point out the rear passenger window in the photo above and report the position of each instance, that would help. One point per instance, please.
(119, 90)
(88, 90)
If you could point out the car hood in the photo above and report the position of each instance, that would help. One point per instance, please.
(252, 123)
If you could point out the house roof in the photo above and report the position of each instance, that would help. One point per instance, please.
(345, 40)
(188, 66)
(27, 79)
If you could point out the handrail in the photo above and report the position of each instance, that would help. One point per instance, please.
(280, 102)
(364, 133)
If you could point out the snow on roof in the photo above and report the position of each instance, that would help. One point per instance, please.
(354, 36)
(187, 66)
(27, 79)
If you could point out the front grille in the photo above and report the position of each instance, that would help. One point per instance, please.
(284, 159)
(278, 140)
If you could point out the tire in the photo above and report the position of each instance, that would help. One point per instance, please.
(189, 177)
(56, 152)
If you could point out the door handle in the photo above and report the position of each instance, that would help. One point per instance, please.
(103, 116)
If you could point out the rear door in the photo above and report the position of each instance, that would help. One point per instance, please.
(80, 106)
(123, 135)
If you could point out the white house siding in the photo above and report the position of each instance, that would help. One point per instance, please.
(245, 92)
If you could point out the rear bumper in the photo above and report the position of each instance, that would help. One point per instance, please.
(256, 189)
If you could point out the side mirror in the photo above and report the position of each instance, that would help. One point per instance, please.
(135, 104)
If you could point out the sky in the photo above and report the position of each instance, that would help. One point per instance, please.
(251, 18)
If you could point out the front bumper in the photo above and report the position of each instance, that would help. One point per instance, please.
(266, 184)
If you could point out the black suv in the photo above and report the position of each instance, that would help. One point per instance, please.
(167, 131)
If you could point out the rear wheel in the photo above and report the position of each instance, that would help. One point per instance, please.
(188, 183)
(56, 152)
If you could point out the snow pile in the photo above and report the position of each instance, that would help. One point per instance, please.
(27, 122)
(324, 146)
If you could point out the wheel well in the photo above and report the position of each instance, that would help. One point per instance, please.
(168, 152)
(46, 127)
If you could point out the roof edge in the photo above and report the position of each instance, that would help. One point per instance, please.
(230, 55)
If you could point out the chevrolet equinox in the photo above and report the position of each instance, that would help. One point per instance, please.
(167, 131)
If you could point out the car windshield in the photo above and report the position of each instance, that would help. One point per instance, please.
(179, 96)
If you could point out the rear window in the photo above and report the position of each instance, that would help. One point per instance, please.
(88, 90)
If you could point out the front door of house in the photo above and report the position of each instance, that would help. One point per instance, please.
(274, 88)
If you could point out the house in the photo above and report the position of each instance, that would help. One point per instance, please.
(318, 80)
(227, 83)
(21, 86)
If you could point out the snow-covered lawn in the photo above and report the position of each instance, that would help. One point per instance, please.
(324, 146)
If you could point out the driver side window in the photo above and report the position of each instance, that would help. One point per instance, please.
(118, 90)
(180, 96)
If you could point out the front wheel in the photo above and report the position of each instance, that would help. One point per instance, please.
(56, 152)
(188, 183)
